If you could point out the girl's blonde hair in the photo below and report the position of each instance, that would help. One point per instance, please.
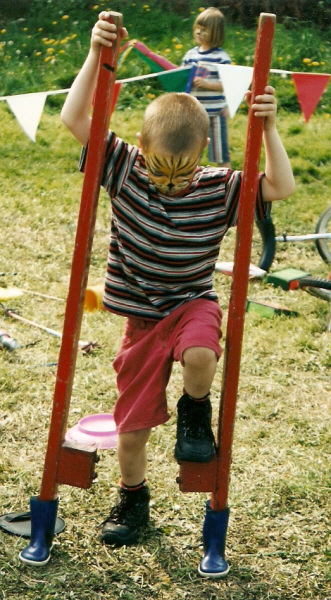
(176, 122)
(213, 20)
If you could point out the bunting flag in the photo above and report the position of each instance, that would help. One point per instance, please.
(236, 80)
(175, 80)
(309, 88)
(28, 109)
(151, 58)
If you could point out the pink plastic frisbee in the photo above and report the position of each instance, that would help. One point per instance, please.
(96, 430)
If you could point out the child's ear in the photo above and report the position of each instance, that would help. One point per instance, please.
(207, 142)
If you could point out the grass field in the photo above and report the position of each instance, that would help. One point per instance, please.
(277, 537)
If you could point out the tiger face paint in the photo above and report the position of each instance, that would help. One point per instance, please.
(171, 174)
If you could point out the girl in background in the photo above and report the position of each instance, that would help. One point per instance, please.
(209, 32)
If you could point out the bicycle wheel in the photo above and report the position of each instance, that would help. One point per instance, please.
(324, 226)
(319, 292)
(315, 282)
(267, 232)
(263, 244)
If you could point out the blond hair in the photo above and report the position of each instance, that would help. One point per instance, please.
(213, 20)
(176, 122)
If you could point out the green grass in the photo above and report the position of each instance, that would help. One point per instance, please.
(277, 537)
(43, 48)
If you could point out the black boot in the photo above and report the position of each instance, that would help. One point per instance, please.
(123, 525)
(195, 439)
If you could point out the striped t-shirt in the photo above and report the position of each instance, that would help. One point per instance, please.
(207, 62)
(163, 249)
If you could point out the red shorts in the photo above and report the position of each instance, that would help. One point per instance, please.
(144, 361)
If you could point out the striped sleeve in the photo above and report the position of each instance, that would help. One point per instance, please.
(119, 159)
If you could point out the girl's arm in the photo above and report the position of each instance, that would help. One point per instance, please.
(76, 109)
(202, 83)
(278, 182)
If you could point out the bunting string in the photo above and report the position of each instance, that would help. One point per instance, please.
(236, 80)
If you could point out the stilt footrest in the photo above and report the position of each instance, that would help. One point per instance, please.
(77, 465)
(197, 477)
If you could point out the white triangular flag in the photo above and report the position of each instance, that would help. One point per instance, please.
(28, 109)
(236, 81)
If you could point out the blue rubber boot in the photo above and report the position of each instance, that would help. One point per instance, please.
(213, 564)
(43, 517)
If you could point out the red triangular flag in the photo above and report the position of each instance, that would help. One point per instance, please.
(309, 87)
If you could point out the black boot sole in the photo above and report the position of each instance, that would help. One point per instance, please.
(194, 456)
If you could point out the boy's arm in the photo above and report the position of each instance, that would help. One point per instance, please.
(278, 182)
(76, 109)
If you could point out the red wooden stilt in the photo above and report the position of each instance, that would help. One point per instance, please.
(214, 476)
(238, 297)
(214, 564)
(80, 265)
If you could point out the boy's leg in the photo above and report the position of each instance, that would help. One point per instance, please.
(131, 512)
(131, 452)
(195, 440)
(198, 349)
(199, 366)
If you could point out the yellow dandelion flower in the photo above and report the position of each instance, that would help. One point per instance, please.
(322, 63)
(146, 6)
(167, 51)
(50, 50)
(40, 29)
(62, 51)
(306, 60)
(38, 53)
(201, 9)
(64, 41)
(64, 17)
(150, 96)
(315, 63)
(95, 7)
(47, 59)
(73, 36)
(3, 31)
(54, 23)
(178, 46)
(280, 58)
(25, 29)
